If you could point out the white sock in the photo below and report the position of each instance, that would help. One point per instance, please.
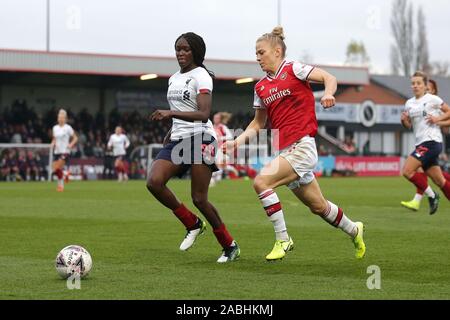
(418, 197)
(336, 217)
(217, 176)
(214, 177)
(61, 183)
(272, 205)
(120, 176)
(429, 192)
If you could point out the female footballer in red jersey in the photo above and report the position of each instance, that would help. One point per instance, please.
(284, 97)
(189, 96)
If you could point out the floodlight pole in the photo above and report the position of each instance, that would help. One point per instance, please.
(279, 12)
(48, 26)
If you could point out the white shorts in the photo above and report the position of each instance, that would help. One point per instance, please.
(302, 156)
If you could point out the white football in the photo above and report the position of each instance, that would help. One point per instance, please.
(73, 259)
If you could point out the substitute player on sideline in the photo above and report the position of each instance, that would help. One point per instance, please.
(64, 139)
(284, 97)
(223, 133)
(192, 134)
(418, 111)
(119, 144)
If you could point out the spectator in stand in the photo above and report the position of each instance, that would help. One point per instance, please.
(349, 145)
(17, 137)
(10, 170)
(23, 123)
(33, 171)
(322, 150)
(22, 165)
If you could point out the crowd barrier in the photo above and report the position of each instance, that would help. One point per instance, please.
(94, 168)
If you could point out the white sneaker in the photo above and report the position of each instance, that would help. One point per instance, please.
(232, 253)
(192, 235)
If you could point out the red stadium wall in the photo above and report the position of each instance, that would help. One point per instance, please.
(373, 92)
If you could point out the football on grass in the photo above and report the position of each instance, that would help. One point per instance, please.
(73, 260)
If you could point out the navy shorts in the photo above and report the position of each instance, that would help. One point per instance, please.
(198, 149)
(428, 153)
(61, 156)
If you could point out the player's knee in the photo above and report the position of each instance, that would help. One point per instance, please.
(440, 182)
(259, 184)
(199, 200)
(154, 184)
(407, 173)
(318, 207)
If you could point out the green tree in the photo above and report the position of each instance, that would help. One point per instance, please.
(357, 54)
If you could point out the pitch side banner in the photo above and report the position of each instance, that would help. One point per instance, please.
(325, 165)
(367, 113)
(86, 169)
(370, 166)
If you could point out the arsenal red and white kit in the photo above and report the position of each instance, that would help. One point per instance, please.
(289, 101)
(223, 133)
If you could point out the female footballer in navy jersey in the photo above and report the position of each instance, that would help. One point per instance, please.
(191, 144)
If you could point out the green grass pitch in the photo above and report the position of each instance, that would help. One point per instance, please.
(134, 243)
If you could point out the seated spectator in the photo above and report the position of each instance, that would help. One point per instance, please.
(349, 145)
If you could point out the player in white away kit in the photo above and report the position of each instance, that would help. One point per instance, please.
(428, 139)
(191, 145)
(414, 204)
(119, 143)
(64, 139)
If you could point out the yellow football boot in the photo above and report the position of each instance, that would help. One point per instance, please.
(279, 249)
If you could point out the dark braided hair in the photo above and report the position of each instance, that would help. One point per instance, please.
(198, 48)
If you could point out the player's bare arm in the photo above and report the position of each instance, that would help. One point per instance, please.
(330, 83)
(167, 137)
(405, 120)
(258, 123)
(443, 120)
(74, 140)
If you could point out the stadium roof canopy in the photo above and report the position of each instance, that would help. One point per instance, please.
(118, 65)
(402, 85)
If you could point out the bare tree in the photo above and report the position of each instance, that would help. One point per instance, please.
(408, 53)
(395, 61)
(422, 55)
(440, 68)
(402, 30)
